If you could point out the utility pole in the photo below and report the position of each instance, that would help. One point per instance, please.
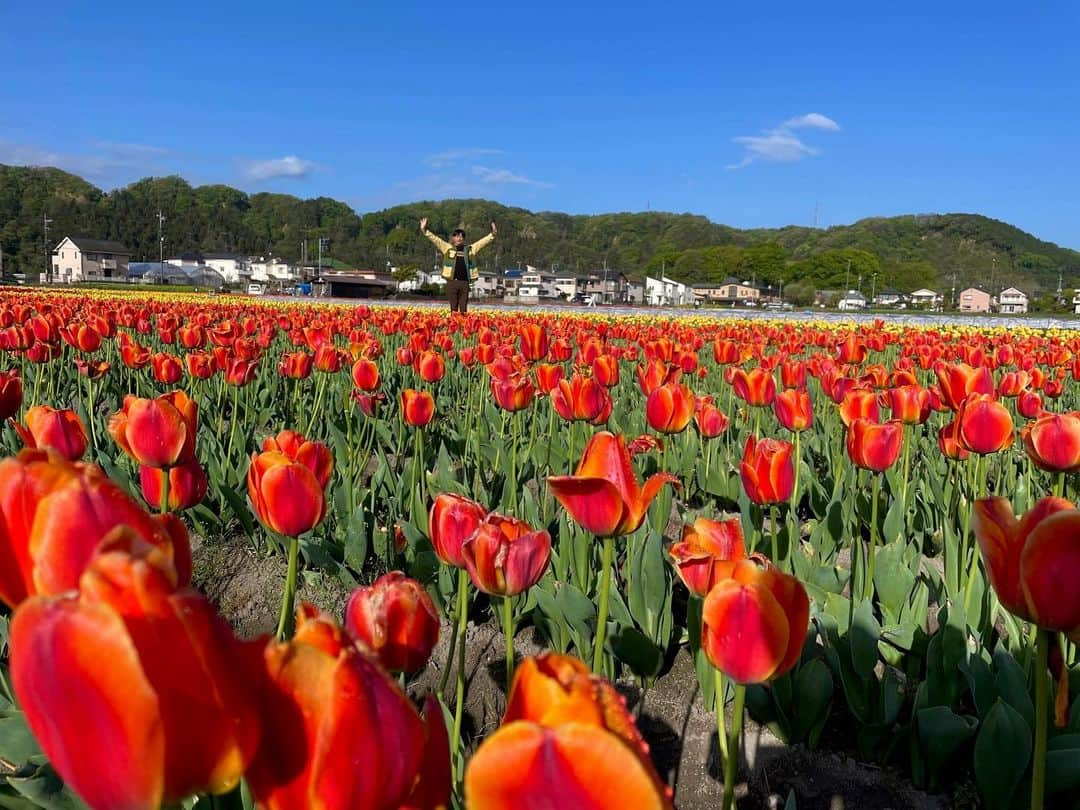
(993, 267)
(952, 297)
(873, 288)
(1059, 296)
(847, 277)
(48, 258)
(161, 240)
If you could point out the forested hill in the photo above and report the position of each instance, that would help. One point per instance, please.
(904, 252)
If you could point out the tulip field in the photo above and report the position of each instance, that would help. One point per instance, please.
(861, 537)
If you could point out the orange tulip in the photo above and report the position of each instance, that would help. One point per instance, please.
(285, 493)
(1034, 562)
(417, 407)
(566, 739)
(338, 732)
(873, 446)
(82, 337)
(959, 380)
(603, 495)
(166, 368)
(187, 485)
(505, 556)
(767, 471)
(200, 365)
(793, 409)
(710, 420)
(452, 520)
(534, 342)
(240, 372)
(514, 393)
(859, 403)
(670, 408)
(949, 442)
(296, 365)
(396, 619)
(431, 366)
(154, 669)
(157, 432)
(909, 404)
(984, 425)
(59, 430)
(1029, 404)
(327, 358)
(754, 623)
(580, 399)
(655, 373)
(365, 374)
(1052, 442)
(605, 369)
(756, 387)
(704, 547)
(548, 376)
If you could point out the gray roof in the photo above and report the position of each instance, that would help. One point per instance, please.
(99, 246)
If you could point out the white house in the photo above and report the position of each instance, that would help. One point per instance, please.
(488, 285)
(888, 298)
(421, 279)
(78, 259)
(233, 268)
(567, 285)
(535, 284)
(665, 292)
(925, 299)
(272, 268)
(1013, 301)
(853, 299)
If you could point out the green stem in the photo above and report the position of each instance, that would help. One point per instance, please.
(605, 593)
(731, 763)
(164, 505)
(232, 427)
(907, 473)
(463, 618)
(798, 466)
(775, 535)
(1059, 485)
(868, 586)
(508, 635)
(1038, 767)
(285, 620)
(90, 417)
(721, 722)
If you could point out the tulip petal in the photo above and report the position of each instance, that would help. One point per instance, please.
(295, 502)
(1050, 570)
(606, 457)
(998, 532)
(524, 766)
(75, 663)
(745, 632)
(595, 503)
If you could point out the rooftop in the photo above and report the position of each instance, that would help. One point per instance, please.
(88, 245)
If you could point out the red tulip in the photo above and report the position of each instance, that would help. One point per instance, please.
(83, 337)
(327, 358)
(453, 519)
(285, 493)
(767, 471)
(754, 623)
(369, 403)
(396, 619)
(1052, 442)
(365, 375)
(505, 556)
(1029, 404)
(548, 376)
(11, 394)
(296, 365)
(514, 393)
(187, 485)
(793, 409)
(417, 407)
(909, 404)
(92, 371)
(580, 399)
(756, 387)
(240, 372)
(949, 442)
(959, 380)
(670, 408)
(655, 373)
(605, 369)
(166, 368)
(157, 432)
(154, 671)
(534, 342)
(339, 733)
(984, 425)
(59, 430)
(873, 446)
(710, 420)
(566, 739)
(431, 366)
(705, 547)
(200, 365)
(603, 495)
(859, 403)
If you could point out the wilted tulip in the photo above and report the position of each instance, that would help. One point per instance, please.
(165, 688)
(396, 619)
(453, 519)
(505, 556)
(768, 474)
(51, 429)
(705, 547)
(566, 739)
(157, 432)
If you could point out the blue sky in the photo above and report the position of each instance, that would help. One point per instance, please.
(749, 113)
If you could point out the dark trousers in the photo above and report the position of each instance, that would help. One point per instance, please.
(457, 293)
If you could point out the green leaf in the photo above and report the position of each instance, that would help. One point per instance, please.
(17, 744)
(941, 733)
(864, 635)
(1002, 753)
(634, 649)
(892, 579)
(813, 701)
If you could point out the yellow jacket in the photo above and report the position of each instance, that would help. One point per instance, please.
(448, 252)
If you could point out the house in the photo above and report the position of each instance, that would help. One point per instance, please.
(729, 291)
(233, 268)
(77, 259)
(1012, 302)
(535, 284)
(567, 285)
(925, 299)
(607, 286)
(666, 292)
(422, 278)
(974, 300)
(852, 299)
(635, 290)
(488, 285)
(358, 283)
(511, 280)
(888, 297)
(271, 269)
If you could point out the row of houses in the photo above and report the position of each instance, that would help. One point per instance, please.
(1010, 301)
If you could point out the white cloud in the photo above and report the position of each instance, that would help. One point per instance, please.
(503, 176)
(288, 166)
(782, 145)
(451, 156)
